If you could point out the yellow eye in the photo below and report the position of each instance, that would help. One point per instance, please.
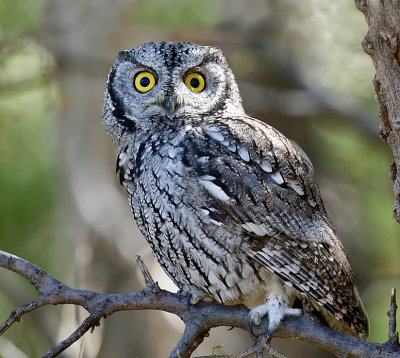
(195, 82)
(144, 81)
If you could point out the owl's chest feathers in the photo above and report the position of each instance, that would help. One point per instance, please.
(174, 215)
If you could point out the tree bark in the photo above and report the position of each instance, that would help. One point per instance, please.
(382, 43)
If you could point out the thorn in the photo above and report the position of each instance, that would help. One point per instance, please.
(146, 274)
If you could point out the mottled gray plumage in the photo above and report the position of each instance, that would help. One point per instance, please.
(227, 203)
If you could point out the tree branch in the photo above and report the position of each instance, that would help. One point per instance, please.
(382, 43)
(199, 319)
(393, 335)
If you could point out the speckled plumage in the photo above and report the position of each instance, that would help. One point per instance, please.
(227, 203)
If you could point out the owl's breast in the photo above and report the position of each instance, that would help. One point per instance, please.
(178, 217)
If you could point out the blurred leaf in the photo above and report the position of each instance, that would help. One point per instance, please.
(351, 158)
(169, 13)
(19, 16)
(26, 149)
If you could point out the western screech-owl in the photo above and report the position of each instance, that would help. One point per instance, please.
(227, 203)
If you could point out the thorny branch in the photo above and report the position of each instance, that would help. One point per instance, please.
(199, 319)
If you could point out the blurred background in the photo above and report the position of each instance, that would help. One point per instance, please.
(300, 67)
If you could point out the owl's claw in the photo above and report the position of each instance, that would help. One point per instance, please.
(276, 309)
(188, 298)
(181, 293)
(192, 296)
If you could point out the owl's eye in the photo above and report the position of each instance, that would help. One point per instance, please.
(195, 82)
(144, 81)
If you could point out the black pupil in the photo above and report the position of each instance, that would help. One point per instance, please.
(194, 82)
(144, 81)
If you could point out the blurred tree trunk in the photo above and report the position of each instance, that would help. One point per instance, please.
(382, 43)
(84, 37)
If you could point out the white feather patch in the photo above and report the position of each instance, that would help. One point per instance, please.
(266, 166)
(208, 177)
(172, 152)
(244, 154)
(214, 133)
(232, 147)
(251, 227)
(214, 190)
(216, 222)
(205, 211)
(203, 159)
(299, 190)
(277, 178)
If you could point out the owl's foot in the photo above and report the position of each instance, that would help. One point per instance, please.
(192, 296)
(276, 309)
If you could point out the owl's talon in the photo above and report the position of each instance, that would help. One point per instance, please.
(251, 328)
(268, 336)
(188, 300)
(276, 310)
(192, 296)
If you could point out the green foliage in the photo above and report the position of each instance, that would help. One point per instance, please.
(26, 151)
(352, 158)
(27, 162)
(18, 16)
(169, 14)
(365, 164)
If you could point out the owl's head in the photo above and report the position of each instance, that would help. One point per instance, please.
(160, 85)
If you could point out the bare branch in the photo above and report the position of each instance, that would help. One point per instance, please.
(393, 334)
(199, 319)
(89, 323)
(16, 315)
(192, 337)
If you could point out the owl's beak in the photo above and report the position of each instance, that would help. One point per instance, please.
(170, 103)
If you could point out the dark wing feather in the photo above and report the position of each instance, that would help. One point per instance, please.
(275, 202)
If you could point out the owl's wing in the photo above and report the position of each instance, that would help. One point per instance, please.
(265, 189)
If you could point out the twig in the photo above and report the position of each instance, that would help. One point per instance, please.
(16, 315)
(145, 272)
(89, 323)
(275, 353)
(256, 348)
(393, 334)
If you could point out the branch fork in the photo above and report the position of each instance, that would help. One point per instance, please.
(199, 319)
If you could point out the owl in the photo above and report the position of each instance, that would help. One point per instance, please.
(228, 204)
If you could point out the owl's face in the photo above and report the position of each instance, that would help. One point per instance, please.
(160, 85)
